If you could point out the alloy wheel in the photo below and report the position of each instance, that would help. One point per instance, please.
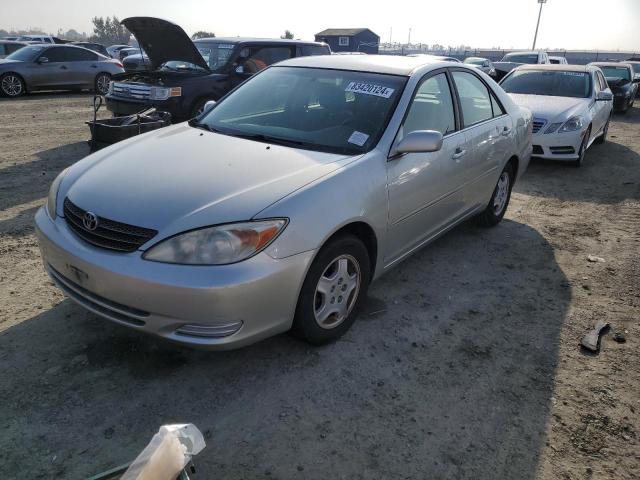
(337, 291)
(102, 84)
(502, 193)
(11, 85)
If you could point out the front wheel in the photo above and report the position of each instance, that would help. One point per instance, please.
(333, 291)
(603, 138)
(583, 149)
(499, 202)
(12, 85)
(102, 83)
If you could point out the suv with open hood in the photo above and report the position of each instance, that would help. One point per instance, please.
(183, 74)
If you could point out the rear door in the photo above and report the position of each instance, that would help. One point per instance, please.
(83, 67)
(424, 195)
(486, 134)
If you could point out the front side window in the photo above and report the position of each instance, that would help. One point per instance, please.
(475, 101)
(553, 83)
(431, 108)
(216, 55)
(55, 55)
(316, 109)
(343, 41)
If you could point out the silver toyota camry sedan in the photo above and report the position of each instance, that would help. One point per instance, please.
(275, 209)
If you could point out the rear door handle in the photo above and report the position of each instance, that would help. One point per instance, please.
(459, 153)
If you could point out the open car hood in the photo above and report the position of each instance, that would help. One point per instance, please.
(163, 41)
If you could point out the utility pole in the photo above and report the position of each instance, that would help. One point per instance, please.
(390, 34)
(409, 40)
(535, 37)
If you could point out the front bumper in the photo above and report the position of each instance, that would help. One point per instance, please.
(215, 307)
(557, 146)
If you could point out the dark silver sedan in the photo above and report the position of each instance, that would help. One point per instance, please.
(55, 67)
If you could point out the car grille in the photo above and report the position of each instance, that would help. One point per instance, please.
(131, 90)
(108, 234)
(538, 123)
(537, 150)
(562, 150)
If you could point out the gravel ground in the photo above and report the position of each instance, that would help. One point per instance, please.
(464, 364)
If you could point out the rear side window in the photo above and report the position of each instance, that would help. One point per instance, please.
(475, 101)
(432, 107)
(259, 58)
(80, 55)
(310, 50)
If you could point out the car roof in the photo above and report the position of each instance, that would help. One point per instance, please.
(388, 64)
(558, 68)
(610, 64)
(14, 42)
(285, 41)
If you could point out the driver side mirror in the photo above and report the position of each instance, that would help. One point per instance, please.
(604, 96)
(418, 141)
(239, 69)
(42, 60)
(208, 106)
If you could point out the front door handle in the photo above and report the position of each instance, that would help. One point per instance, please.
(459, 153)
(506, 131)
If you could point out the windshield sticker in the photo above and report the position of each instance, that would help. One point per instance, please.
(572, 74)
(369, 89)
(358, 138)
(225, 45)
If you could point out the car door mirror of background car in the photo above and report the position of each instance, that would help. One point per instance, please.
(604, 96)
(42, 60)
(208, 106)
(418, 141)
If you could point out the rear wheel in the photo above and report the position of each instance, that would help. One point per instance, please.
(102, 83)
(333, 291)
(583, 149)
(499, 202)
(12, 85)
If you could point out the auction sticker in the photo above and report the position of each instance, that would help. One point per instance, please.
(369, 89)
(358, 138)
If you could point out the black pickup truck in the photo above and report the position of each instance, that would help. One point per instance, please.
(184, 74)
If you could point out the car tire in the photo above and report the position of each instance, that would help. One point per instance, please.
(583, 150)
(101, 84)
(603, 138)
(333, 291)
(12, 85)
(495, 210)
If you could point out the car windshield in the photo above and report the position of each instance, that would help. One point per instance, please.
(333, 111)
(474, 61)
(25, 53)
(554, 83)
(616, 73)
(529, 58)
(215, 54)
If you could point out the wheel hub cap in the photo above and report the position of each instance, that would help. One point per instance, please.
(337, 291)
(502, 193)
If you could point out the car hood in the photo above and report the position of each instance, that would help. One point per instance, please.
(5, 62)
(163, 41)
(179, 178)
(551, 108)
(506, 66)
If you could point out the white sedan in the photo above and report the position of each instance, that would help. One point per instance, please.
(571, 107)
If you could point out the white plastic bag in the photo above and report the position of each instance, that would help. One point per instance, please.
(167, 453)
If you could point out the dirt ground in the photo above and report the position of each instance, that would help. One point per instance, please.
(465, 363)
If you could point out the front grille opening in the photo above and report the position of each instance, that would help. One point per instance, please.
(109, 234)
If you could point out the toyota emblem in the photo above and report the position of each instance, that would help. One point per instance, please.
(90, 221)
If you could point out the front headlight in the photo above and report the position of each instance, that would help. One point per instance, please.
(52, 199)
(162, 93)
(219, 245)
(571, 125)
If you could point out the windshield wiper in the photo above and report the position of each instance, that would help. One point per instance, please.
(261, 137)
(203, 126)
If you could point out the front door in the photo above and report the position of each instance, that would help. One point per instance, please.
(424, 194)
(50, 69)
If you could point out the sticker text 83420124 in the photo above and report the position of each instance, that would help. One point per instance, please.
(369, 89)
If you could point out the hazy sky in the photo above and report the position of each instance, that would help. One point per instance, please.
(571, 24)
